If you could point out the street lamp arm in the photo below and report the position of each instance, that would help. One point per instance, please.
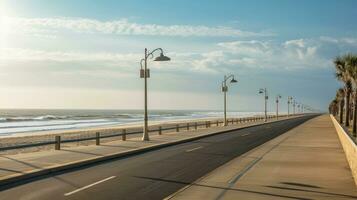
(153, 51)
(226, 78)
(150, 55)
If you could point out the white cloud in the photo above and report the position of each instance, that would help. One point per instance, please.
(8, 54)
(342, 41)
(50, 26)
(225, 57)
(328, 39)
(351, 41)
(291, 54)
(301, 48)
(246, 47)
(298, 43)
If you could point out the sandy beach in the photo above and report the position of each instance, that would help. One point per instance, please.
(49, 136)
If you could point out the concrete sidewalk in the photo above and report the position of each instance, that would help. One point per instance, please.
(307, 162)
(27, 165)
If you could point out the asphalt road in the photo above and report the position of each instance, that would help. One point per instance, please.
(151, 175)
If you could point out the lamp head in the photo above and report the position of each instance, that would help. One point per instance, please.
(162, 58)
(234, 80)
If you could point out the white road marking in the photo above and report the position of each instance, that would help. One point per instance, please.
(246, 134)
(88, 186)
(194, 149)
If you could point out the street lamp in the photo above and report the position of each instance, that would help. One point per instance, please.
(225, 90)
(277, 105)
(290, 99)
(145, 74)
(294, 104)
(264, 91)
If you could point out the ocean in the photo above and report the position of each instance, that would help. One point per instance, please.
(14, 121)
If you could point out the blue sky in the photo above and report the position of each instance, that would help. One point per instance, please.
(85, 54)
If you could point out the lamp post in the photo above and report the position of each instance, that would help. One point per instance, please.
(145, 74)
(294, 104)
(298, 107)
(302, 108)
(277, 105)
(290, 98)
(264, 91)
(225, 90)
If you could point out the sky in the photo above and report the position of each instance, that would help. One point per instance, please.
(85, 54)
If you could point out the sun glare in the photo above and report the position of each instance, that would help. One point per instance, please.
(5, 15)
(5, 9)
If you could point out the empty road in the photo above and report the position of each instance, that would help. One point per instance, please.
(151, 175)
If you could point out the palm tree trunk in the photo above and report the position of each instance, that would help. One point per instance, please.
(347, 122)
(351, 110)
(354, 118)
(341, 111)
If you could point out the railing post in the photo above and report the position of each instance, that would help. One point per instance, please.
(217, 123)
(97, 138)
(160, 130)
(123, 135)
(195, 125)
(188, 126)
(58, 142)
(209, 124)
(177, 128)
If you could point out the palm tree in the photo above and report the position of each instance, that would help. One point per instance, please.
(351, 61)
(342, 74)
(333, 107)
(340, 96)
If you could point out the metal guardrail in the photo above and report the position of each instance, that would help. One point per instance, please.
(123, 132)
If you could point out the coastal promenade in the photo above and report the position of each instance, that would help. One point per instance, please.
(308, 162)
(44, 161)
(66, 173)
(46, 140)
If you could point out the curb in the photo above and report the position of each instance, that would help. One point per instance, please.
(14, 179)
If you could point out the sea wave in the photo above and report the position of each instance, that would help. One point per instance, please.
(31, 118)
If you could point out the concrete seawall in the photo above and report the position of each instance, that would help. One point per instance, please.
(349, 147)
